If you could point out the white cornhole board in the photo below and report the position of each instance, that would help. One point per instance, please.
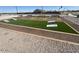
(52, 25)
(51, 21)
(71, 15)
(14, 19)
(24, 15)
(6, 20)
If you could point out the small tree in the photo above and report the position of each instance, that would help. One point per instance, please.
(37, 11)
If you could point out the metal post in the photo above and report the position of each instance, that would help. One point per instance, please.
(16, 9)
(42, 11)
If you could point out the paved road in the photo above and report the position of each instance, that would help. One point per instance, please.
(60, 36)
(74, 22)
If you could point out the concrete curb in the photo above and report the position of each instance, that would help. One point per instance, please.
(57, 40)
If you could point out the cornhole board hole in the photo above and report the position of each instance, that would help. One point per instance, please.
(52, 25)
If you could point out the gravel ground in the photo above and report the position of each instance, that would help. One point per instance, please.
(74, 22)
(20, 42)
(72, 19)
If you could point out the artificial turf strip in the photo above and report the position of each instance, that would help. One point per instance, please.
(42, 24)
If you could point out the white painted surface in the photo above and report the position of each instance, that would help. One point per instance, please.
(71, 15)
(51, 21)
(52, 25)
(14, 19)
(6, 20)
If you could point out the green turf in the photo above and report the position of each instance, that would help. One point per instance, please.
(42, 24)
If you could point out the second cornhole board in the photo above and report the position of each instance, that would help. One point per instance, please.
(6, 20)
(51, 21)
(52, 25)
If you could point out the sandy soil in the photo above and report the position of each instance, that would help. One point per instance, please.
(3, 17)
(72, 19)
(74, 22)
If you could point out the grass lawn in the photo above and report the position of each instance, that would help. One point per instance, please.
(42, 24)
